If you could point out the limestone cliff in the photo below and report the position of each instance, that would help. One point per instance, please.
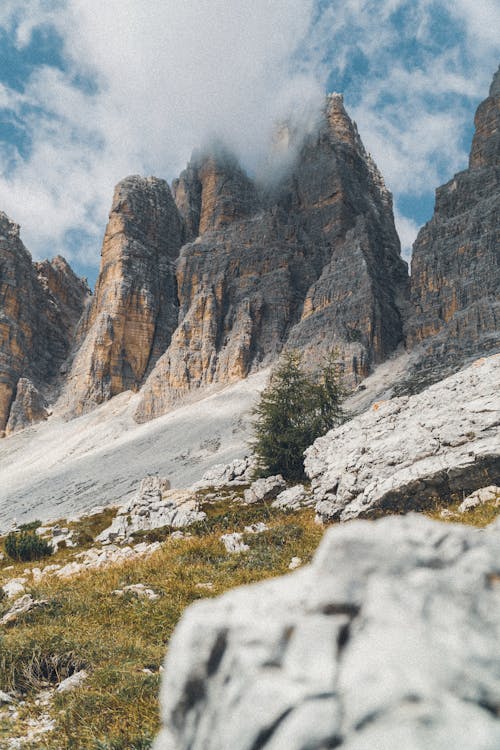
(40, 305)
(133, 312)
(455, 281)
(312, 262)
(212, 192)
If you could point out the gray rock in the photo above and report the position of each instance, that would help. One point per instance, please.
(20, 607)
(294, 498)
(403, 452)
(264, 489)
(237, 472)
(72, 682)
(28, 407)
(455, 284)
(388, 640)
(234, 542)
(153, 507)
(481, 496)
(137, 589)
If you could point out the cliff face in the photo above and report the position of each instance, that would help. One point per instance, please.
(311, 263)
(133, 312)
(40, 305)
(455, 282)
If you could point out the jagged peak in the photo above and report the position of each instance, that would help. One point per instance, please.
(8, 227)
(495, 84)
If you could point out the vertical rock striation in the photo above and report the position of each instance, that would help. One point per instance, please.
(40, 305)
(455, 282)
(312, 262)
(130, 319)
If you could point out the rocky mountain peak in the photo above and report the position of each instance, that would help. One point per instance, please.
(213, 191)
(486, 142)
(133, 312)
(8, 229)
(455, 286)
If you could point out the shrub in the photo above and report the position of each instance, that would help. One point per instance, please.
(26, 546)
(294, 410)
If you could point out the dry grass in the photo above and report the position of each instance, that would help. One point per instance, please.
(121, 642)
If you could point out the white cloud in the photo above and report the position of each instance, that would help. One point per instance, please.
(166, 75)
(407, 230)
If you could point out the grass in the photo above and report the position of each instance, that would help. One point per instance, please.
(480, 516)
(121, 642)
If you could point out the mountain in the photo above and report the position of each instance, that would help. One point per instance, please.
(455, 279)
(40, 304)
(205, 283)
(311, 262)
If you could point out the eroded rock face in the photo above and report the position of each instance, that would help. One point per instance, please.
(40, 305)
(130, 320)
(388, 640)
(29, 407)
(455, 280)
(312, 263)
(402, 453)
(213, 192)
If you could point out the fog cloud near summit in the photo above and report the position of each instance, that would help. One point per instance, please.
(93, 91)
(143, 83)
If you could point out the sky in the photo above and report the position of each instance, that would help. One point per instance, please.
(93, 91)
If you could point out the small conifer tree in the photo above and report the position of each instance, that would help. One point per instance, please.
(295, 409)
(26, 546)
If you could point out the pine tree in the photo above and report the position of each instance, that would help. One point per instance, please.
(293, 411)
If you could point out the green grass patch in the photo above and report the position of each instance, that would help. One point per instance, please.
(121, 641)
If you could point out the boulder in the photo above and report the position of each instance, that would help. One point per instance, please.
(403, 453)
(294, 498)
(237, 472)
(388, 640)
(234, 542)
(153, 507)
(264, 489)
(20, 607)
(482, 496)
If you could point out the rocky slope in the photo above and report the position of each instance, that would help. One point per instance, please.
(312, 262)
(40, 305)
(387, 640)
(455, 279)
(403, 453)
(133, 312)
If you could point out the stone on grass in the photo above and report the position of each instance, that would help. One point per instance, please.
(264, 489)
(482, 496)
(388, 640)
(153, 507)
(404, 452)
(20, 607)
(72, 682)
(293, 498)
(234, 542)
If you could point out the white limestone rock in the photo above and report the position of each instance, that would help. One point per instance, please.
(14, 587)
(407, 450)
(481, 496)
(388, 640)
(153, 507)
(264, 489)
(72, 682)
(236, 473)
(234, 543)
(137, 589)
(20, 607)
(294, 498)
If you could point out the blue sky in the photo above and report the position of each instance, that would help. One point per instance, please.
(91, 92)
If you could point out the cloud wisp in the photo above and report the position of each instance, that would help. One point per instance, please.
(128, 87)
